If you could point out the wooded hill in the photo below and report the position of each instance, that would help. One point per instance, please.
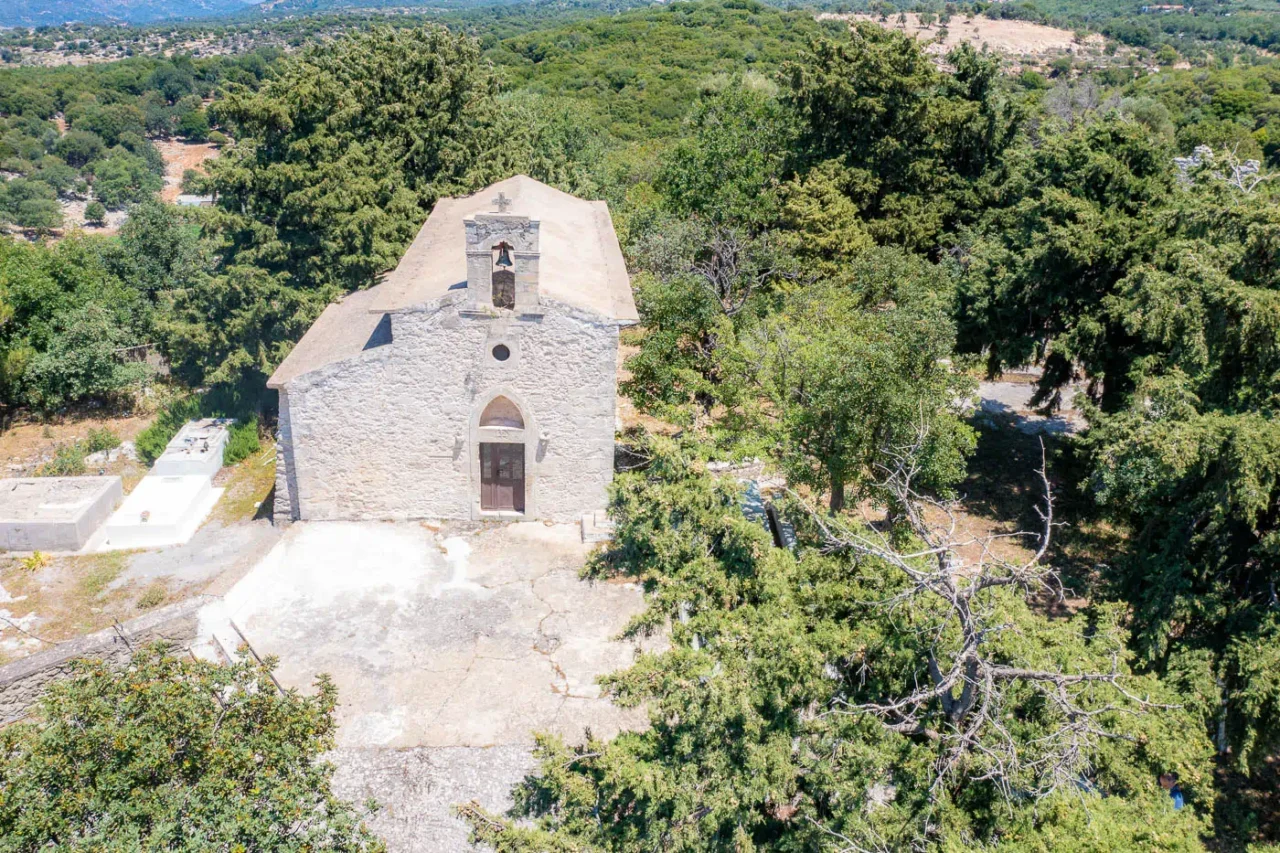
(831, 236)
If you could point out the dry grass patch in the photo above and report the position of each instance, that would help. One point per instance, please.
(153, 596)
(249, 486)
(69, 595)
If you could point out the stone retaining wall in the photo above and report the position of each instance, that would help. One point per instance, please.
(24, 681)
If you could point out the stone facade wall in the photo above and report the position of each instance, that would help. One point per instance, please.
(284, 510)
(392, 433)
(24, 681)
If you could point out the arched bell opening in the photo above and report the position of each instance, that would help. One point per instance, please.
(503, 278)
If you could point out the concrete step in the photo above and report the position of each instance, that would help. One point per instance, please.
(219, 644)
(597, 527)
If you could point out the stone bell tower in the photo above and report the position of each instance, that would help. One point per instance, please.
(502, 260)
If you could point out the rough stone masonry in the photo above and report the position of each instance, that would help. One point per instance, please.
(384, 404)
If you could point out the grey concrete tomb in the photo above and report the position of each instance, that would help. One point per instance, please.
(54, 513)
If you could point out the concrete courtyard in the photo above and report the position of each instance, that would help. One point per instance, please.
(450, 648)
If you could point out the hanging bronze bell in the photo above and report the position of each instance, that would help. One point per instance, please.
(504, 256)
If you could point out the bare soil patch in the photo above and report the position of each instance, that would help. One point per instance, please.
(178, 157)
(27, 444)
(1015, 38)
(73, 217)
(67, 597)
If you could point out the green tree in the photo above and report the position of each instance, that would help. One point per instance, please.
(157, 114)
(767, 722)
(338, 160)
(173, 79)
(80, 147)
(30, 204)
(850, 368)
(371, 129)
(826, 227)
(707, 279)
(731, 158)
(95, 213)
(56, 174)
(923, 143)
(1037, 282)
(109, 121)
(160, 251)
(64, 313)
(40, 214)
(192, 121)
(122, 177)
(1190, 458)
(81, 362)
(169, 753)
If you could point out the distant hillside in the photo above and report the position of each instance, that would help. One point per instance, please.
(303, 7)
(31, 13)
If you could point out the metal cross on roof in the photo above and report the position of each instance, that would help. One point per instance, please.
(502, 202)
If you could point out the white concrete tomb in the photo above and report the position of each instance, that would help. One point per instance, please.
(161, 510)
(195, 450)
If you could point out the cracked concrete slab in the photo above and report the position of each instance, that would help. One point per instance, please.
(450, 648)
(416, 789)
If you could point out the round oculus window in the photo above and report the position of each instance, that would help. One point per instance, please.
(501, 353)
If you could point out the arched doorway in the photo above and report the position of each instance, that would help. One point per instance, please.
(502, 462)
(501, 412)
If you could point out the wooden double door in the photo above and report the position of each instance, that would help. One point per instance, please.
(501, 477)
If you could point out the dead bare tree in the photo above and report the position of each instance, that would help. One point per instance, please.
(734, 264)
(970, 697)
(1242, 175)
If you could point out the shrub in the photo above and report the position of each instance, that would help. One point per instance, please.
(101, 439)
(68, 461)
(153, 596)
(79, 147)
(222, 401)
(242, 442)
(95, 212)
(194, 125)
(166, 753)
(80, 361)
(192, 181)
(36, 560)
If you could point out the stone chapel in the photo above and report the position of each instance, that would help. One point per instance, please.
(477, 380)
